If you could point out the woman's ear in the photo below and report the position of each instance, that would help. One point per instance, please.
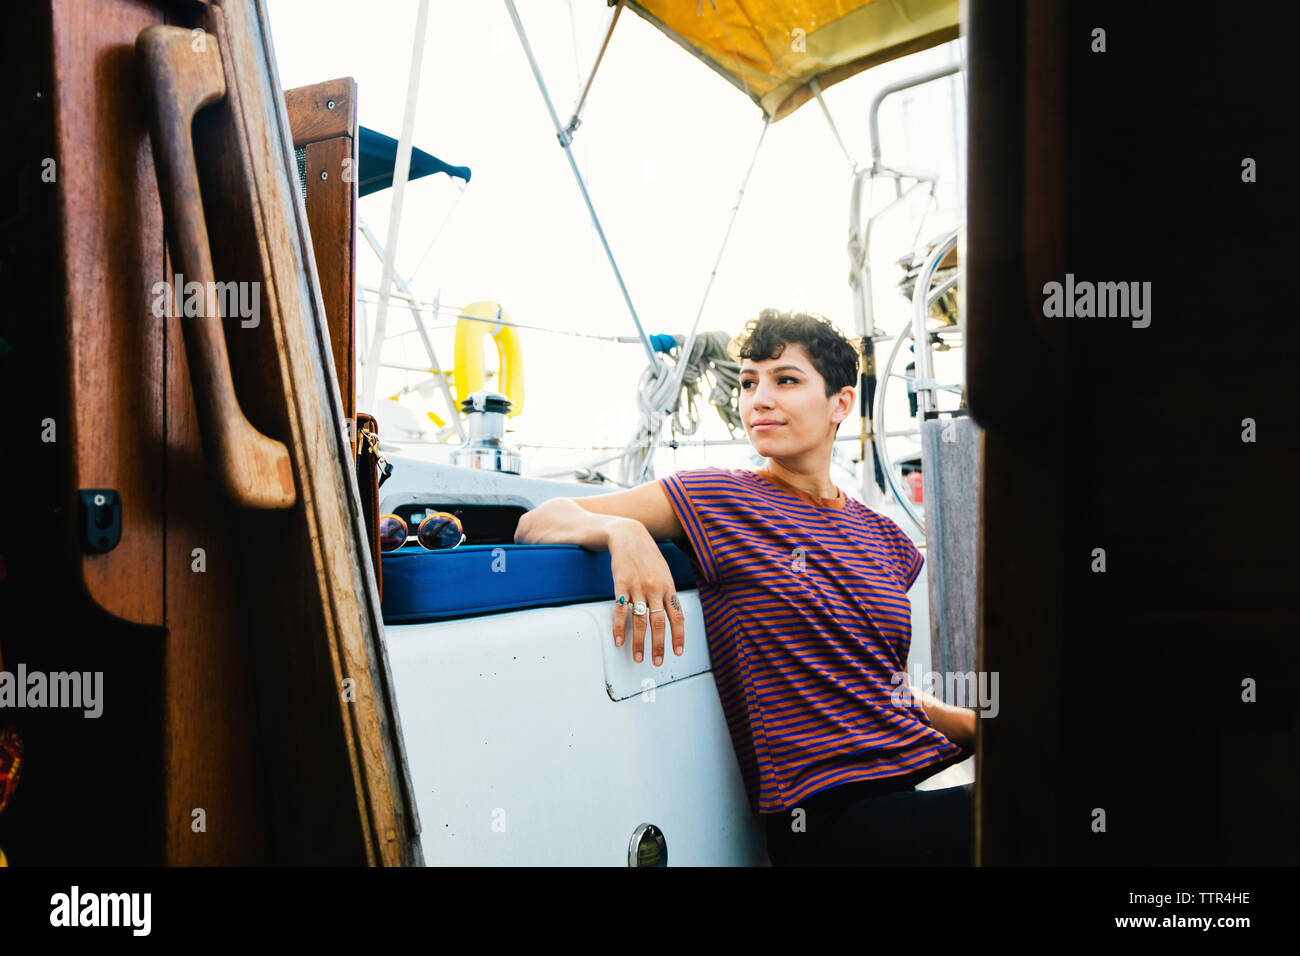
(844, 404)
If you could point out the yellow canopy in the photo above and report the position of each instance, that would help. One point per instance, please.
(771, 49)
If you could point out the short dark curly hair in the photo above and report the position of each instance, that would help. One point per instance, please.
(834, 356)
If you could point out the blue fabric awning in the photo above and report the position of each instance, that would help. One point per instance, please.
(378, 153)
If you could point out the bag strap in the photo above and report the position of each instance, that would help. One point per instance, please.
(373, 470)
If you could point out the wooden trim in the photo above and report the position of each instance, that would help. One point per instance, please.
(319, 625)
(310, 117)
(331, 204)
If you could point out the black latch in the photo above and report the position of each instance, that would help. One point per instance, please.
(101, 519)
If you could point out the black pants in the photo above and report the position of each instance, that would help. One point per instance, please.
(876, 823)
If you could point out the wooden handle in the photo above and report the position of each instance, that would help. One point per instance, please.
(183, 77)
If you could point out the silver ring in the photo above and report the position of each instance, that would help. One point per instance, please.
(658, 610)
(639, 608)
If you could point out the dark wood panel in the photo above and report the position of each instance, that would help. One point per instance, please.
(104, 773)
(211, 743)
(1122, 688)
(230, 701)
(112, 236)
(318, 621)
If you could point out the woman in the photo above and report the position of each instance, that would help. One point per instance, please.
(804, 594)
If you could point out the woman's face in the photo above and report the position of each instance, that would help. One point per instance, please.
(788, 392)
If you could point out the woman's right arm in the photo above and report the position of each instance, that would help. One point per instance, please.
(564, 521)
(627, 524)
(586, 521)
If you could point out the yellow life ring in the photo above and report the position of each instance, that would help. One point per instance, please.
(468, 373)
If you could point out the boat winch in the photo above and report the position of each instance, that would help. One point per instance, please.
(485, 447)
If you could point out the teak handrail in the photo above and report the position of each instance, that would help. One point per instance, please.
(255, 470)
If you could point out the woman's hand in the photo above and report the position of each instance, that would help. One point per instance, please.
(641, 573)
(955, 723)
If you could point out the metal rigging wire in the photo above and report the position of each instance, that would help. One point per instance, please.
(659, 394)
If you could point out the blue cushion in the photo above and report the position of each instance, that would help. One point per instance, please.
(422, 585)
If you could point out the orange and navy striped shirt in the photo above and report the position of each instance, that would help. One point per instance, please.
(809, 625)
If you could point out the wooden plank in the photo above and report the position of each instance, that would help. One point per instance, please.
(1021, 590)
(331, 214)
(112, 247)
(1009, 356)
(211, 734)
(331, 201)
(1138, 570)
(318, 621)
(311, 116)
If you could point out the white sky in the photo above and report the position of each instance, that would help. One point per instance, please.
(664, 145)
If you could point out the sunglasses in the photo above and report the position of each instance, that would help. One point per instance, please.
(439, 531)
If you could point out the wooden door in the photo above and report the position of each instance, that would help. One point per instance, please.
(1138, 563)
(248, 712)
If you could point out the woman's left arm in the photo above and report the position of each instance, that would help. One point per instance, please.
(955, 723)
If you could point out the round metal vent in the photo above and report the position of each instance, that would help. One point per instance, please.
(648, 847)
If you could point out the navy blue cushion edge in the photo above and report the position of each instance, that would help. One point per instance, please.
(423, 586)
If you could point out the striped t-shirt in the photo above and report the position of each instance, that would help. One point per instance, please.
(805, 603)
